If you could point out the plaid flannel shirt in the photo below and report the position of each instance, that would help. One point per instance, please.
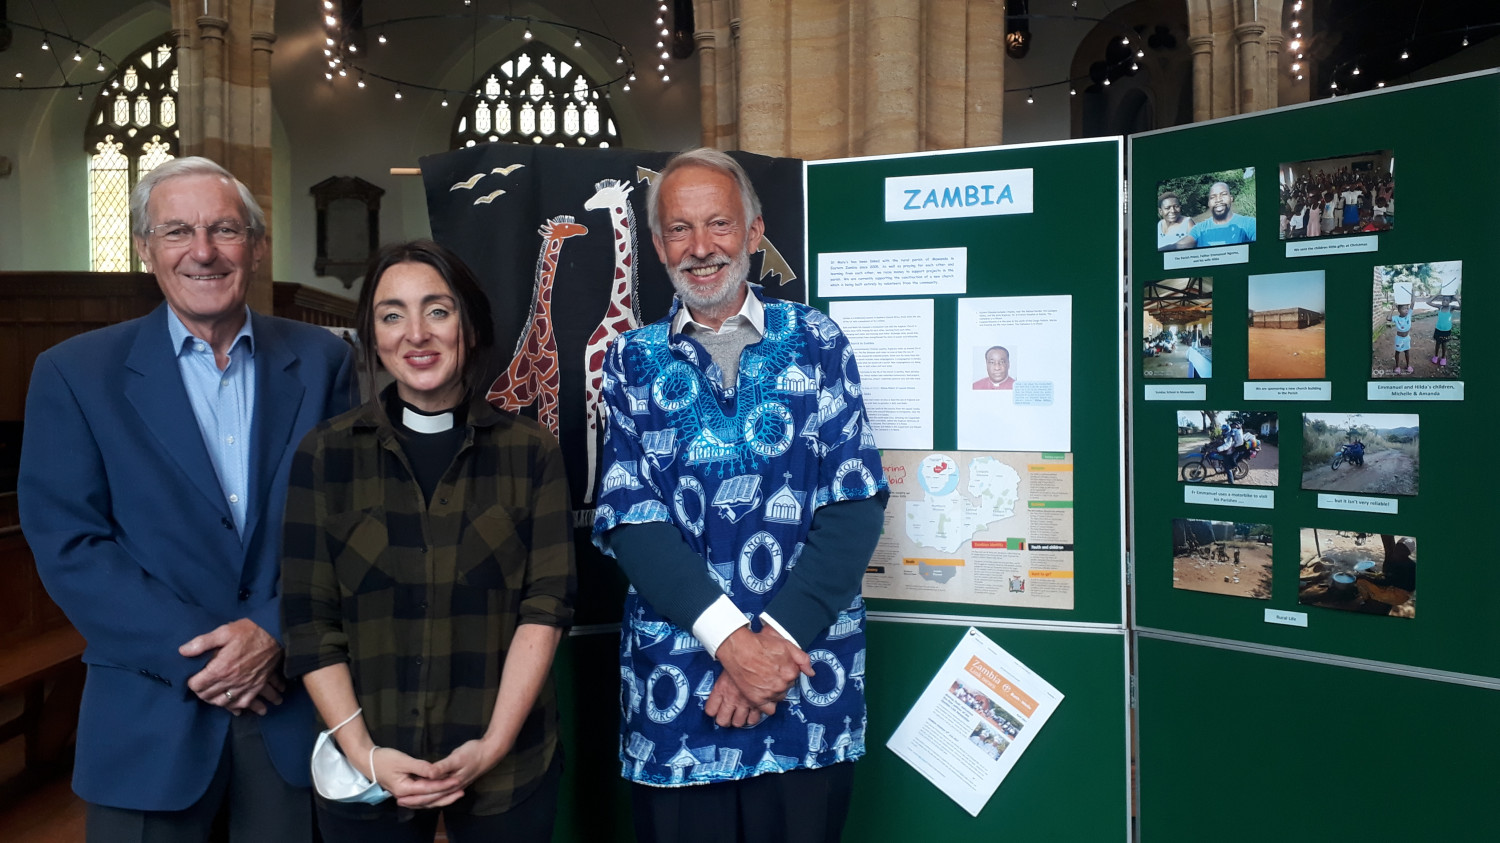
(423, 601)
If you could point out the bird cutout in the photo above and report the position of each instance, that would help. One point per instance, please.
(468, 183)
(488, 198)
(505, 171)
(772, 260)
(533, 374)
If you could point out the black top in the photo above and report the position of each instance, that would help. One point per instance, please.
(430, 454)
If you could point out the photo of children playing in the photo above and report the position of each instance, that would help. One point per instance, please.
(1178, 328)
(1349, 194)
(1222, 557)
(1286, 330)
(1359, 572)
(1370, 453)
(1233, 447)
(1415, 321)
(1210, 209)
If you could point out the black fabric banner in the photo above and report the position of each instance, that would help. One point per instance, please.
(540, 221)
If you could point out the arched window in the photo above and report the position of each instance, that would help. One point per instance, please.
(535, 97)
(133, 130)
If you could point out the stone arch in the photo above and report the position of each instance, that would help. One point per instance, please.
(1158, 94)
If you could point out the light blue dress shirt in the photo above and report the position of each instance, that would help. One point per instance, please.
(224, 404)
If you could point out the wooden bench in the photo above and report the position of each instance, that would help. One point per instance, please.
(47, 671)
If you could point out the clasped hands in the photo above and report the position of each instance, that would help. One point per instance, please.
(435, 784)
(244, 672)
(759, 669)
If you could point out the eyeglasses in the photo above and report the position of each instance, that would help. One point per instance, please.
(221, 233)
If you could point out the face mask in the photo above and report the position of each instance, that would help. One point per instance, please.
(335, 778)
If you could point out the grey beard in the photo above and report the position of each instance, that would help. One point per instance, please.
(698, 300)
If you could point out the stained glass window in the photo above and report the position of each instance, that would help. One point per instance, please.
(127, 136)
(535, 96)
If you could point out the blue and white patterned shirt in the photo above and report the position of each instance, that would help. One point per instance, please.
(740, 472)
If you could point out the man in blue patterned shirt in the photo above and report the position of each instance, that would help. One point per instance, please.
(741, 492)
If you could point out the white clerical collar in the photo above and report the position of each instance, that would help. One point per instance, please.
(419, 422)
(752, 313)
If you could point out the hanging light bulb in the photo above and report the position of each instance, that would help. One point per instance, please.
(620, 57)
(632, 77)
(381, 39)
(353, 47)
(361, 81)
(1296, 66)
(577, 40)
(1466, 41)
(1072, 91)
(665, 55)
(1134, 67)
(661, 68)
(1405, 55)
(527, 33)
(343, 72)
(327, 75)
(627, 86)
(80, 95)
(45, 45)
(100, 66)
(398, 92)
(1380, 84)
(1356, 70)
(1333, 86)
(445, 102)
(1299, 77)
(1030, 98)
(77, 56)
(1106, 82)
(1140, 54)
(330, 20)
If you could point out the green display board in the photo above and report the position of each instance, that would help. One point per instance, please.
(1068, 244)
(1425, 477)
(1243, 747)
(1079, 756)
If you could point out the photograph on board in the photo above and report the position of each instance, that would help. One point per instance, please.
(983, 703)
(1232, 447)
(1210, 209)
(1286, 326)
(1222, 557)
(1363, 453)
(1177, 328)
(988, 741)
(1373, 573)
(1415, 330)
(995, 365)
(1345, 194)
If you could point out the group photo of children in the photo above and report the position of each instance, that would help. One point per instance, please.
(1351, 194)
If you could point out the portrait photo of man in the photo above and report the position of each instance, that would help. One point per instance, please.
(996, 370)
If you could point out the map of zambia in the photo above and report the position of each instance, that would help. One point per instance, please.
(944, 519)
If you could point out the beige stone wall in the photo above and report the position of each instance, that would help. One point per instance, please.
(224, 65)
(831, 78)
(1236, 46)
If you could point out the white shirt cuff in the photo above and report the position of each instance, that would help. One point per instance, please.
(771, 622)
(718, 622)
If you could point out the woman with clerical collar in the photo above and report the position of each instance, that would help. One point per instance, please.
(428, 575)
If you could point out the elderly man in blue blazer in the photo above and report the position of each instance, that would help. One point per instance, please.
(153, 477)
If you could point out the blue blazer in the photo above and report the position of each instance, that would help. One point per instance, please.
(134, 540)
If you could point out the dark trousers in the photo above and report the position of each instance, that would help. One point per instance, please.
(246, 802)
(801, 806)
(528, 822)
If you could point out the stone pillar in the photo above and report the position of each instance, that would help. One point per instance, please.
(224, 52)
(1203, 76)
(895, 31)
(833, 78)
(1250, 50)
(984, 85)
(708, 94)
(762, 76)
(1272, 81)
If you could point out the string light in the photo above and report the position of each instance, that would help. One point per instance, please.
(77, 56)
(398, 92)
(1356, 70)
(1030, 98)
(1405, 55)
(45, 45)
(577, 40)
(1072, 91)
(527, 33)
(381, 39)
(445, 102)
